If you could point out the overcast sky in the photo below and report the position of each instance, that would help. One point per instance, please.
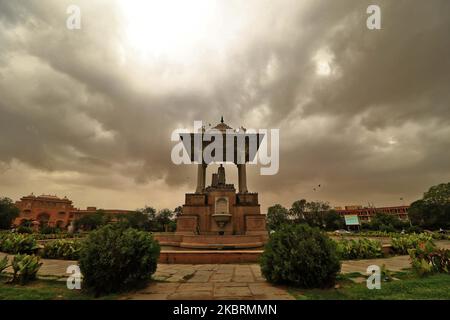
(88, 113)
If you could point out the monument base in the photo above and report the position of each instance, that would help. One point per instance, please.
(212, 241)
(209, 256)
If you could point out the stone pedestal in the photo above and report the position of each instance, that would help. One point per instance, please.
(187, 225)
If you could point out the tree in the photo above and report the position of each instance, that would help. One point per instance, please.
(297, 211)
(92, 221)
(333, 220)
(316, 214)
(150, 211)
(8, 212)
(164, 219)
(386, 222)
(137, 220)
(277, 215)
(433, 210)
(178, 211)
(438, 194)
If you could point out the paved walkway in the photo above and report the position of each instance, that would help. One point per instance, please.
(396, 263)
(210, 281)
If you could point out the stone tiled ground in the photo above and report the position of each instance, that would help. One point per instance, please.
(210, 281)
(50, 268)
(394, 264)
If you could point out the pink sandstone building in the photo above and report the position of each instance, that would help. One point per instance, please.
(49, 210)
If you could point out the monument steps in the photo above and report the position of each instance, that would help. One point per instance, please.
(212, 241)
(210, 256)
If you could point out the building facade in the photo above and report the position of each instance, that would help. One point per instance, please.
(52, 211)
(365, 214)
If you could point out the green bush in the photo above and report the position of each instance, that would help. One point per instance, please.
(301, 256)
(49, 230)
(18, 243)
(24, 229)
(440, 236)
(401, 244)
(371, 233)
(62, 249)
(359, 249)
(62, 235)
(25, 268)
(3, 264)
(113, 259)
(426, 259)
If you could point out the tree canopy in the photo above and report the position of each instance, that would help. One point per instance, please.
(277, 215)
(92, 221)
(433, 210)
(8, 212)
(314, 213)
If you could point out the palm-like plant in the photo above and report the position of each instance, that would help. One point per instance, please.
(25, 268)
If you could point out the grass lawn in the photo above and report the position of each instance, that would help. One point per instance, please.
(409, 286)
(43, 290)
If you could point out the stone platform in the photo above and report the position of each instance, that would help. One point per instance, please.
(224, 242)
(209, 256)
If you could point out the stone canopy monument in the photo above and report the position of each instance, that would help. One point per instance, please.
(218, 215)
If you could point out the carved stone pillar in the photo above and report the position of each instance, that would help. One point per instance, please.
(242, 178)
(201, 178)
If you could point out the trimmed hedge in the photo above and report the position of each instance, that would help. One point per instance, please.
(302, 256)
(114, 259)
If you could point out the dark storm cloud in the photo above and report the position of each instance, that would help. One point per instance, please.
(375, 128)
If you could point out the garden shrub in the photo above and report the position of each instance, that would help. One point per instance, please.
(25, 268)
(301, 256)
(49, 230)
(440, 236)
(359, 249)
(61, 235)
(24, 229)
(114, 259)
(3, 264)
(62, 249)
(426, 259)
(401, 244)
(18, 243)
